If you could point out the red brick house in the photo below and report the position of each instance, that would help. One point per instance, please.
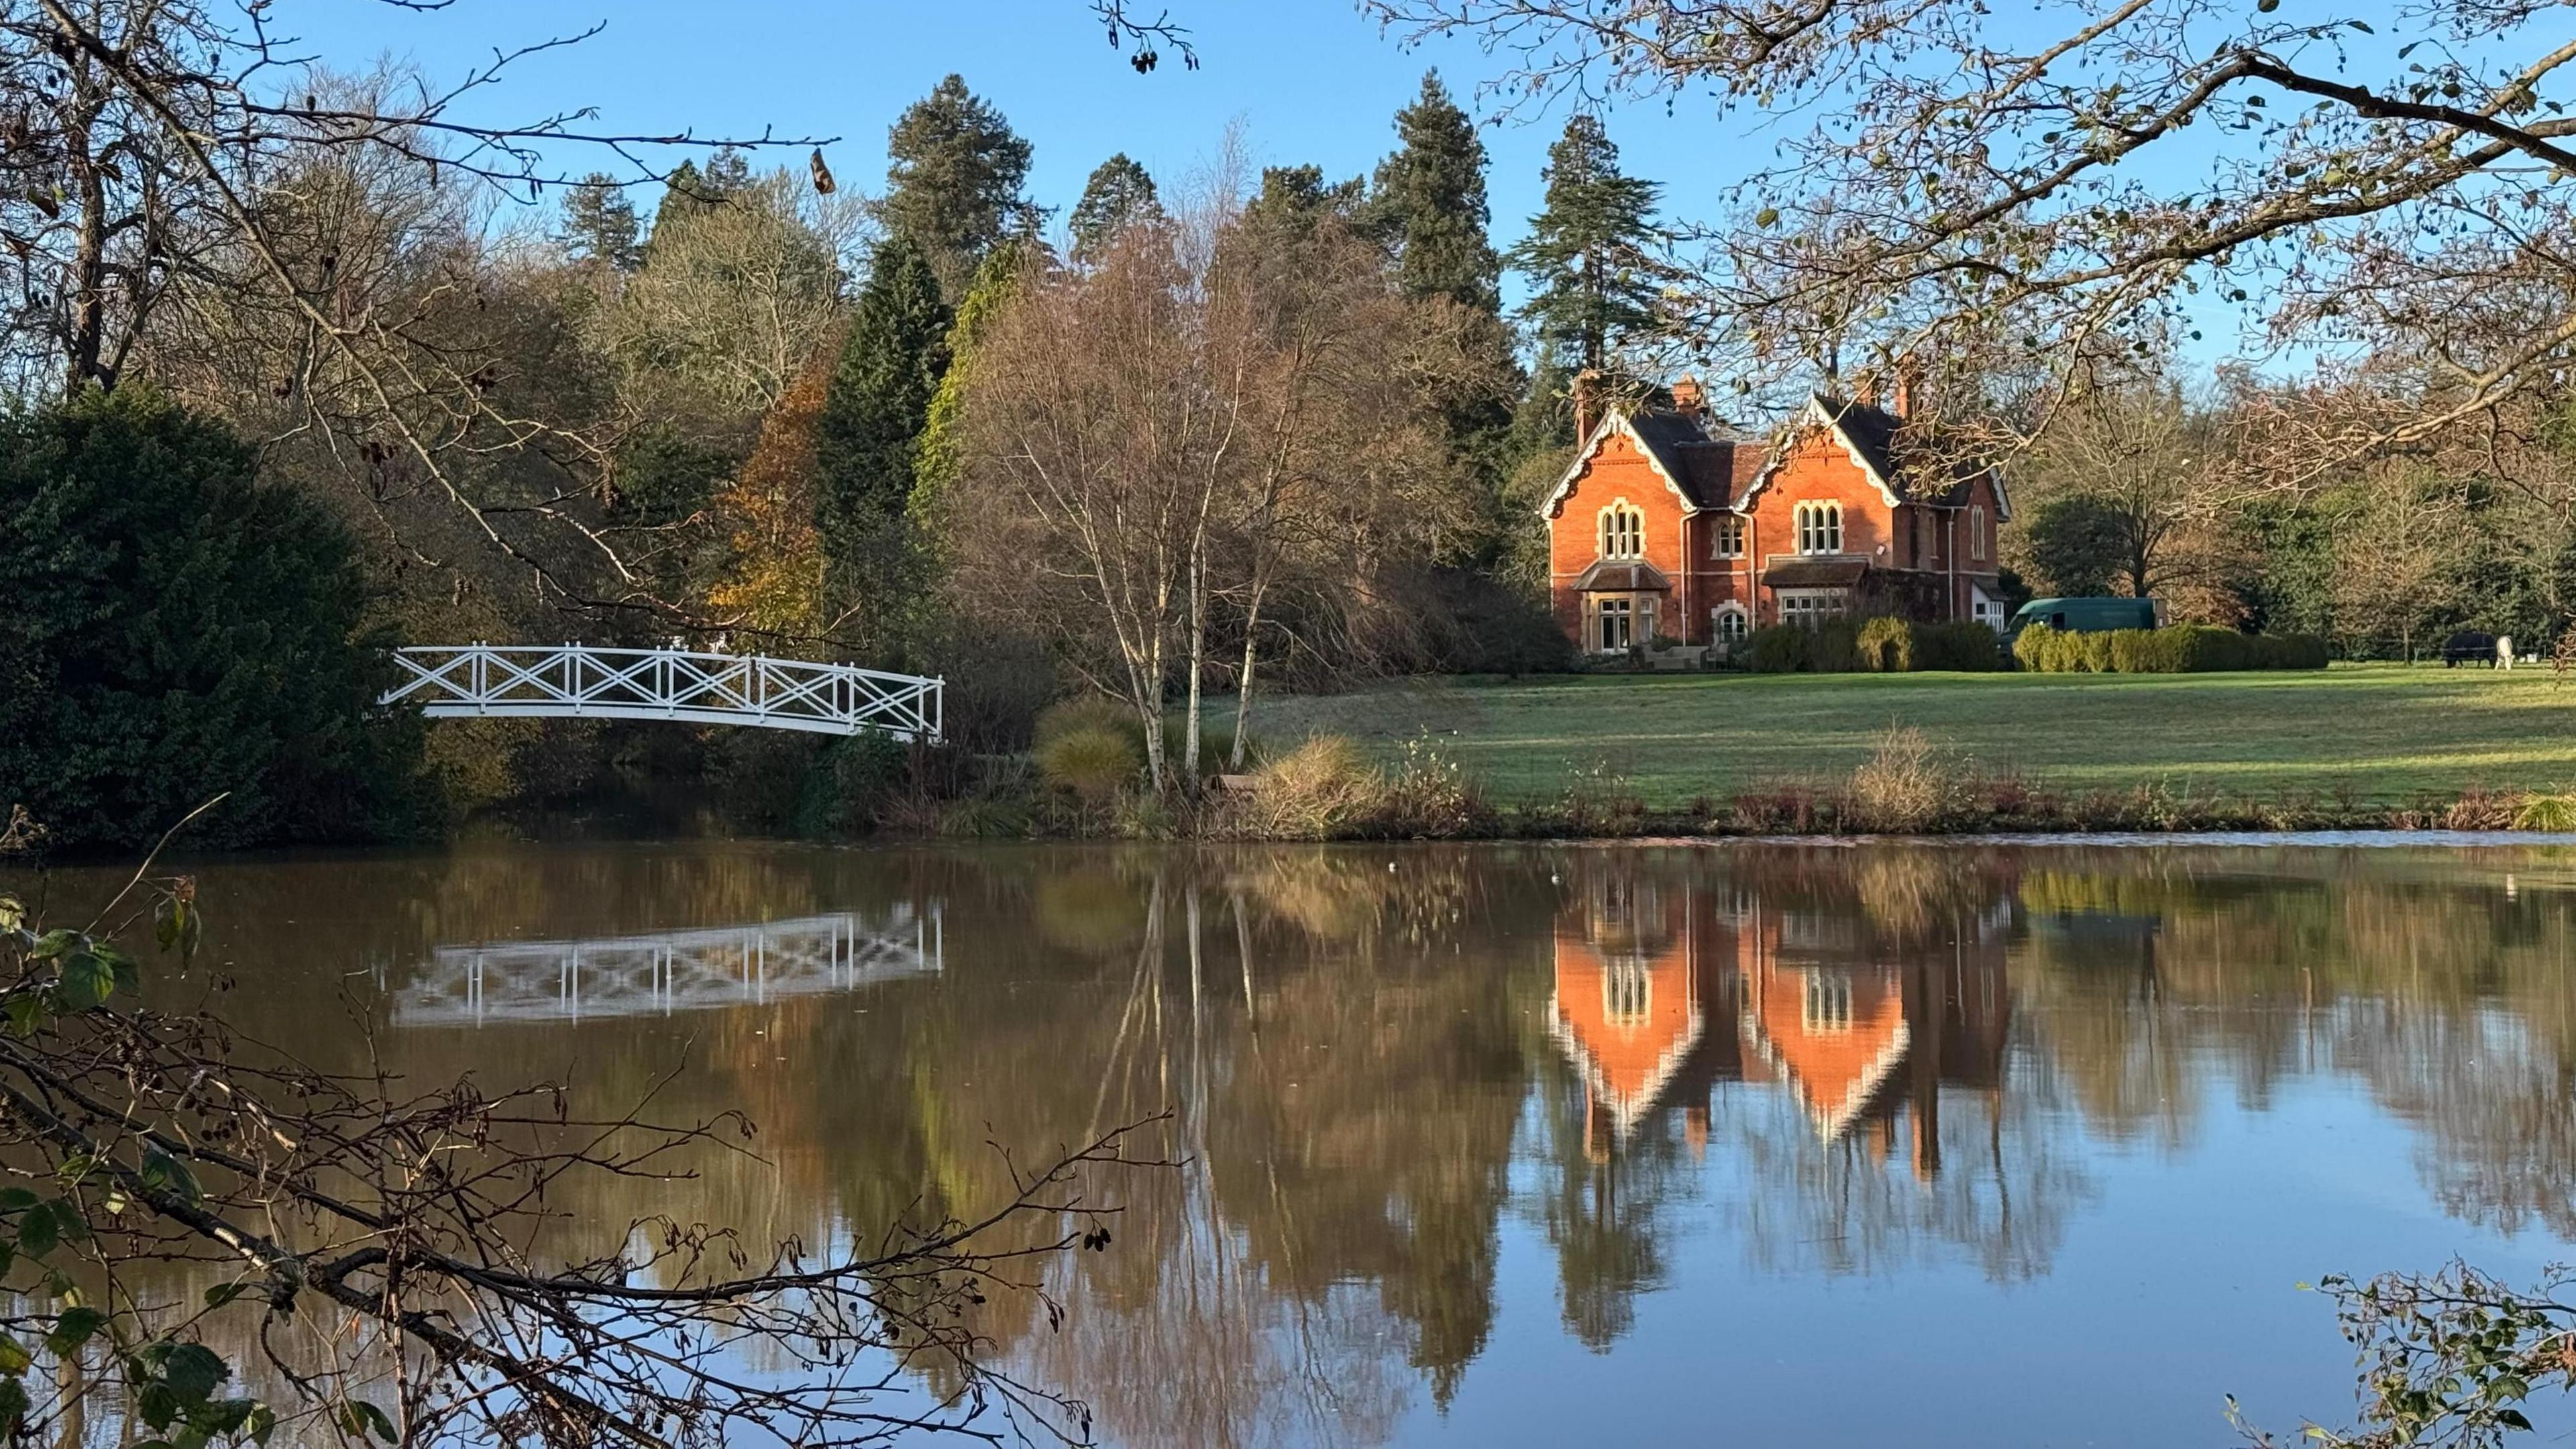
(1670, 523)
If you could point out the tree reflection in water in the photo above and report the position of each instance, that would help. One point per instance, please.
(1387, 1064)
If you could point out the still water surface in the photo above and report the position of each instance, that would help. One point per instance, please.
(1919, 1144)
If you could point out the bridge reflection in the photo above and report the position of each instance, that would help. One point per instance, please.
(670, 971)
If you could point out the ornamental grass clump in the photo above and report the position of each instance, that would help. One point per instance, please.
(1322, 790)
(1904, 787)
(1089, 747)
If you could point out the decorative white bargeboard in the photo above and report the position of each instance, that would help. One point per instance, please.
(721, 966)
(577, 681)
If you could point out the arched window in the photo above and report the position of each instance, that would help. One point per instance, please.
(1729, 624)
(1820, 527)
(1728, 539)
(1977, 532)
(1623, 531)
(1829, 1002)
(1627, 993)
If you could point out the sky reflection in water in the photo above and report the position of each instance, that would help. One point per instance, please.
(1535, 1145)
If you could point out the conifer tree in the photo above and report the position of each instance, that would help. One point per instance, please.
(866, 443)
(600, 225)
(953, 181)
(941, 458)
(1119, 195)
(1430, 198)
(1592, 255)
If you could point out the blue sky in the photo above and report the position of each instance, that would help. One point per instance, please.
(1311, 81)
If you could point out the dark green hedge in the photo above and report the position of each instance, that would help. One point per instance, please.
(171, 629)
(2174, 649)
(1880, 644)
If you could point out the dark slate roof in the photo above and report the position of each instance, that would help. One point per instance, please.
(1819, 571)
(1701, 461)
(1872, 430)
(1621, 573)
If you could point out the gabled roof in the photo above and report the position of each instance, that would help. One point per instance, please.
(1869, 433)
(1696, 464)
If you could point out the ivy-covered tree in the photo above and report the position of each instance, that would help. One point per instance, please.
(941, 459)
(1430, 197)
(953, 183)
(171, 629)
(1120, 194)
(1593, 255)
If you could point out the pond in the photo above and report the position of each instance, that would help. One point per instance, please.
(1935, 1144)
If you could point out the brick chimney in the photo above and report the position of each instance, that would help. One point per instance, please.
(1908, 379)
(1690, 399)
(1587, 402)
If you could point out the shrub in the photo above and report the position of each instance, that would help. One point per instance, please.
(1964, 645)
(1828, 646)
(1885, 645)
(1780, 649)
(171, 628)
(2174, 649)
(2035, 649)
(1431, 796)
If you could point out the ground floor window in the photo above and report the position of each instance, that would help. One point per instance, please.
(1806, 606)
(1621, 622)
(1728, 624)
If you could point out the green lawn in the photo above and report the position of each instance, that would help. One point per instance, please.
(2370, 733)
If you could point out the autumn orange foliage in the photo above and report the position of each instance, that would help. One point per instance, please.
(773, 580)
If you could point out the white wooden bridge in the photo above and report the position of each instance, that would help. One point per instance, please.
(669, 971)
(576, 681)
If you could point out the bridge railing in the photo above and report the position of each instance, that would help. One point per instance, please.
(572, 681)
(668, 971)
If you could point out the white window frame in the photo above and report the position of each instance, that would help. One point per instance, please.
(1717, 623)
(1805, 606)
(1627, 992)
(1727, 539)
(1622, 608)
(1623, 530)
(1820, 527)
(1827, 1006)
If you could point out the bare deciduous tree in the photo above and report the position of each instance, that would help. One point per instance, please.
(1984, 196)
(1205, 418)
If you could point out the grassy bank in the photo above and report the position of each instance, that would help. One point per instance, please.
(2361, 737)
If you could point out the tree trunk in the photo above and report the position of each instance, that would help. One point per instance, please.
(1243, 691)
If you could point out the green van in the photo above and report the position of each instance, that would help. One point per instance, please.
(2084, 616)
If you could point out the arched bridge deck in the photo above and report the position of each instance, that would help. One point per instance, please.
(577, 681)
(658, 974)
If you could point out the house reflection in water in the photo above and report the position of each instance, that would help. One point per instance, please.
(1666, 987)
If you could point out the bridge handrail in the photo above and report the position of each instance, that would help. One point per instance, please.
(704, 686)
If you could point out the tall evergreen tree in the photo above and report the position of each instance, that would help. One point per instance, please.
(1294, 200)
(866, 443)
(953, 181)
(1592, 254)
(600, 225)
(1430, 197)
(1119, 195)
